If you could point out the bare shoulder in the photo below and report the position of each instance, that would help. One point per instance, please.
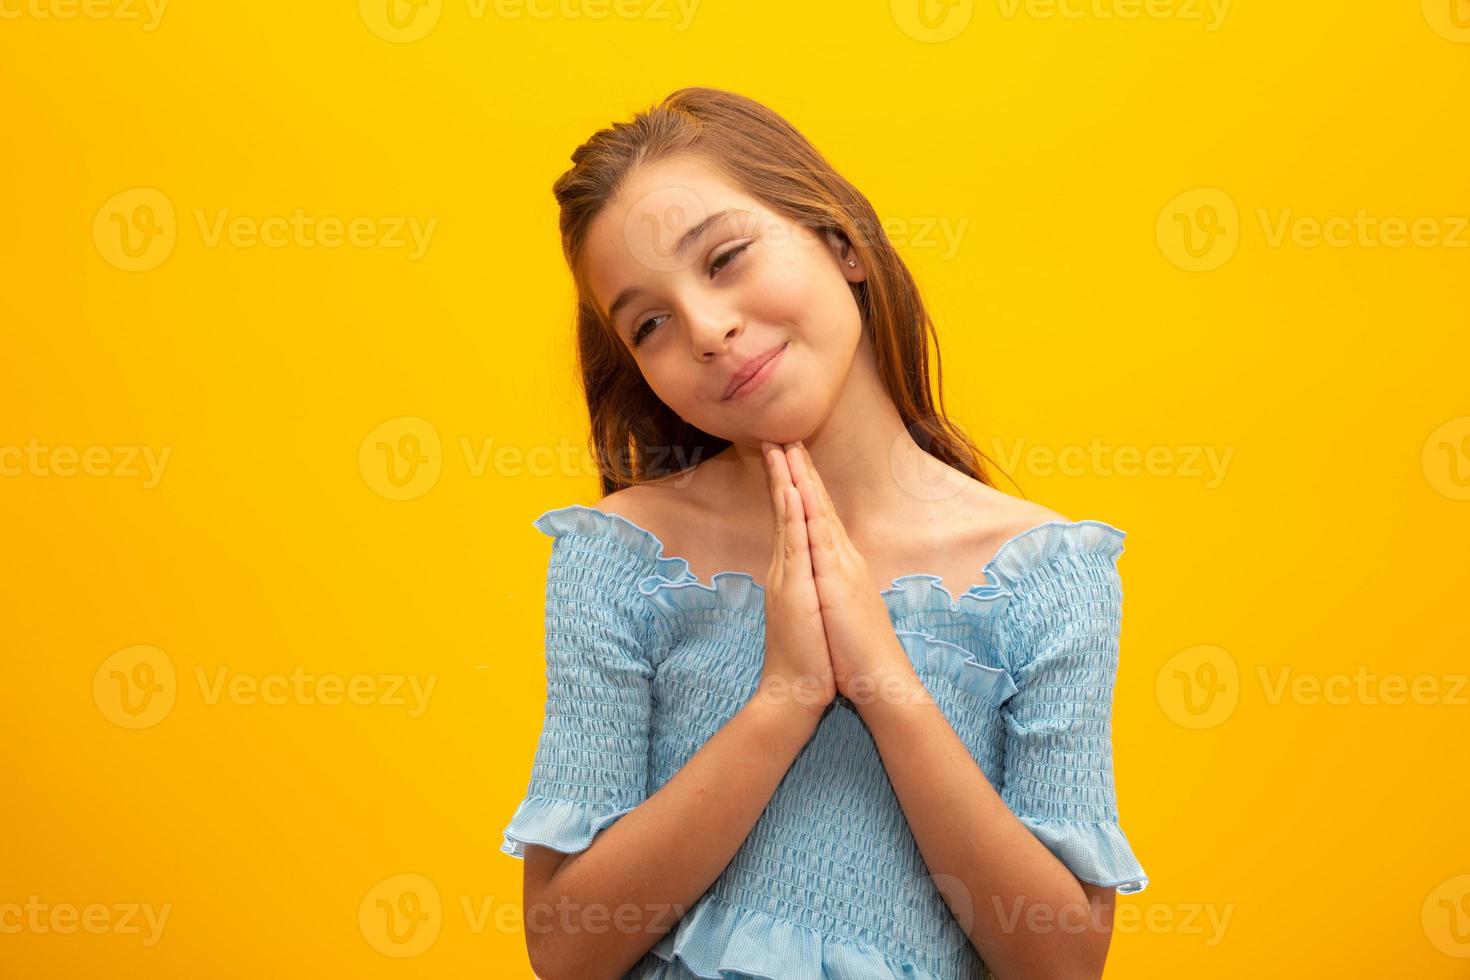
(696, 516)
(644, 504)
(659, 506)
(997, 516)
(990, 518)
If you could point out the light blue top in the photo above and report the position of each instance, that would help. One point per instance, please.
(644, 663)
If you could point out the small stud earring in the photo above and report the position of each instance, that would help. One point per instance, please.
(852, 263)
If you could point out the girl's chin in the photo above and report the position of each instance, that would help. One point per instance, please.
(780, 437)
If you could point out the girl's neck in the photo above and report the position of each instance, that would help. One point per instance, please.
(870, 464)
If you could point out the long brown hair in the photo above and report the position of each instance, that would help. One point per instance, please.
(635, 437)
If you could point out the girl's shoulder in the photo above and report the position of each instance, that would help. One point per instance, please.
(1015, 539)
(640, 530)
(695, 515)
(993, 517)
(645, 504)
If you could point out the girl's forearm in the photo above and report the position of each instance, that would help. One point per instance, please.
(607, 906)
(992, 867)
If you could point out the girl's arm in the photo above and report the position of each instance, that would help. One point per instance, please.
(1012, 865)
(596, 913)
(638, 864)
(1032, 864)
(1023, 909)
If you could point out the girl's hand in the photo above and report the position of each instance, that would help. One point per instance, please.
(860, 635)
(798, 669)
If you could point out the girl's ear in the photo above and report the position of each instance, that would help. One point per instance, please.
(853, 270)
(847, 258)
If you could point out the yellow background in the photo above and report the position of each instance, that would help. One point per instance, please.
(1330, 837)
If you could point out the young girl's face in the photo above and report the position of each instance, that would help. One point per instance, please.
(698, 278)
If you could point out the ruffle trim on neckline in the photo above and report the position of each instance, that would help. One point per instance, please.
(672, 588)
(922, 592)
(935, 657)
(685, 593)
(716, 939)
(1036, 547)
(579, 519)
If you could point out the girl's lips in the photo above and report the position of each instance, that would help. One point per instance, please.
(759, 378)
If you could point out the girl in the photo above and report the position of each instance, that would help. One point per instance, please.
(778, 743)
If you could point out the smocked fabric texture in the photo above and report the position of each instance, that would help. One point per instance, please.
(644, 663)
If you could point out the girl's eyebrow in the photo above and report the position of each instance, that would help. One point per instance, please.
(687, 239)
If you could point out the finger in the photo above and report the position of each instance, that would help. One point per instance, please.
(816, 478)
(779, 477)
(778, 499)
(818, 525)
(778, 551)
(821, 502)
(798, 553)
(780, 470)
(796, 543)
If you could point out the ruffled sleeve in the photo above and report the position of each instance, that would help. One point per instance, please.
(1060, 637)
(591, 764)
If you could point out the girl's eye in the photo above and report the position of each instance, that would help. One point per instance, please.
(723, 260)
(643, 329)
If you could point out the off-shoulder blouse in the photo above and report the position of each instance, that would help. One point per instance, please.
(644, 663)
